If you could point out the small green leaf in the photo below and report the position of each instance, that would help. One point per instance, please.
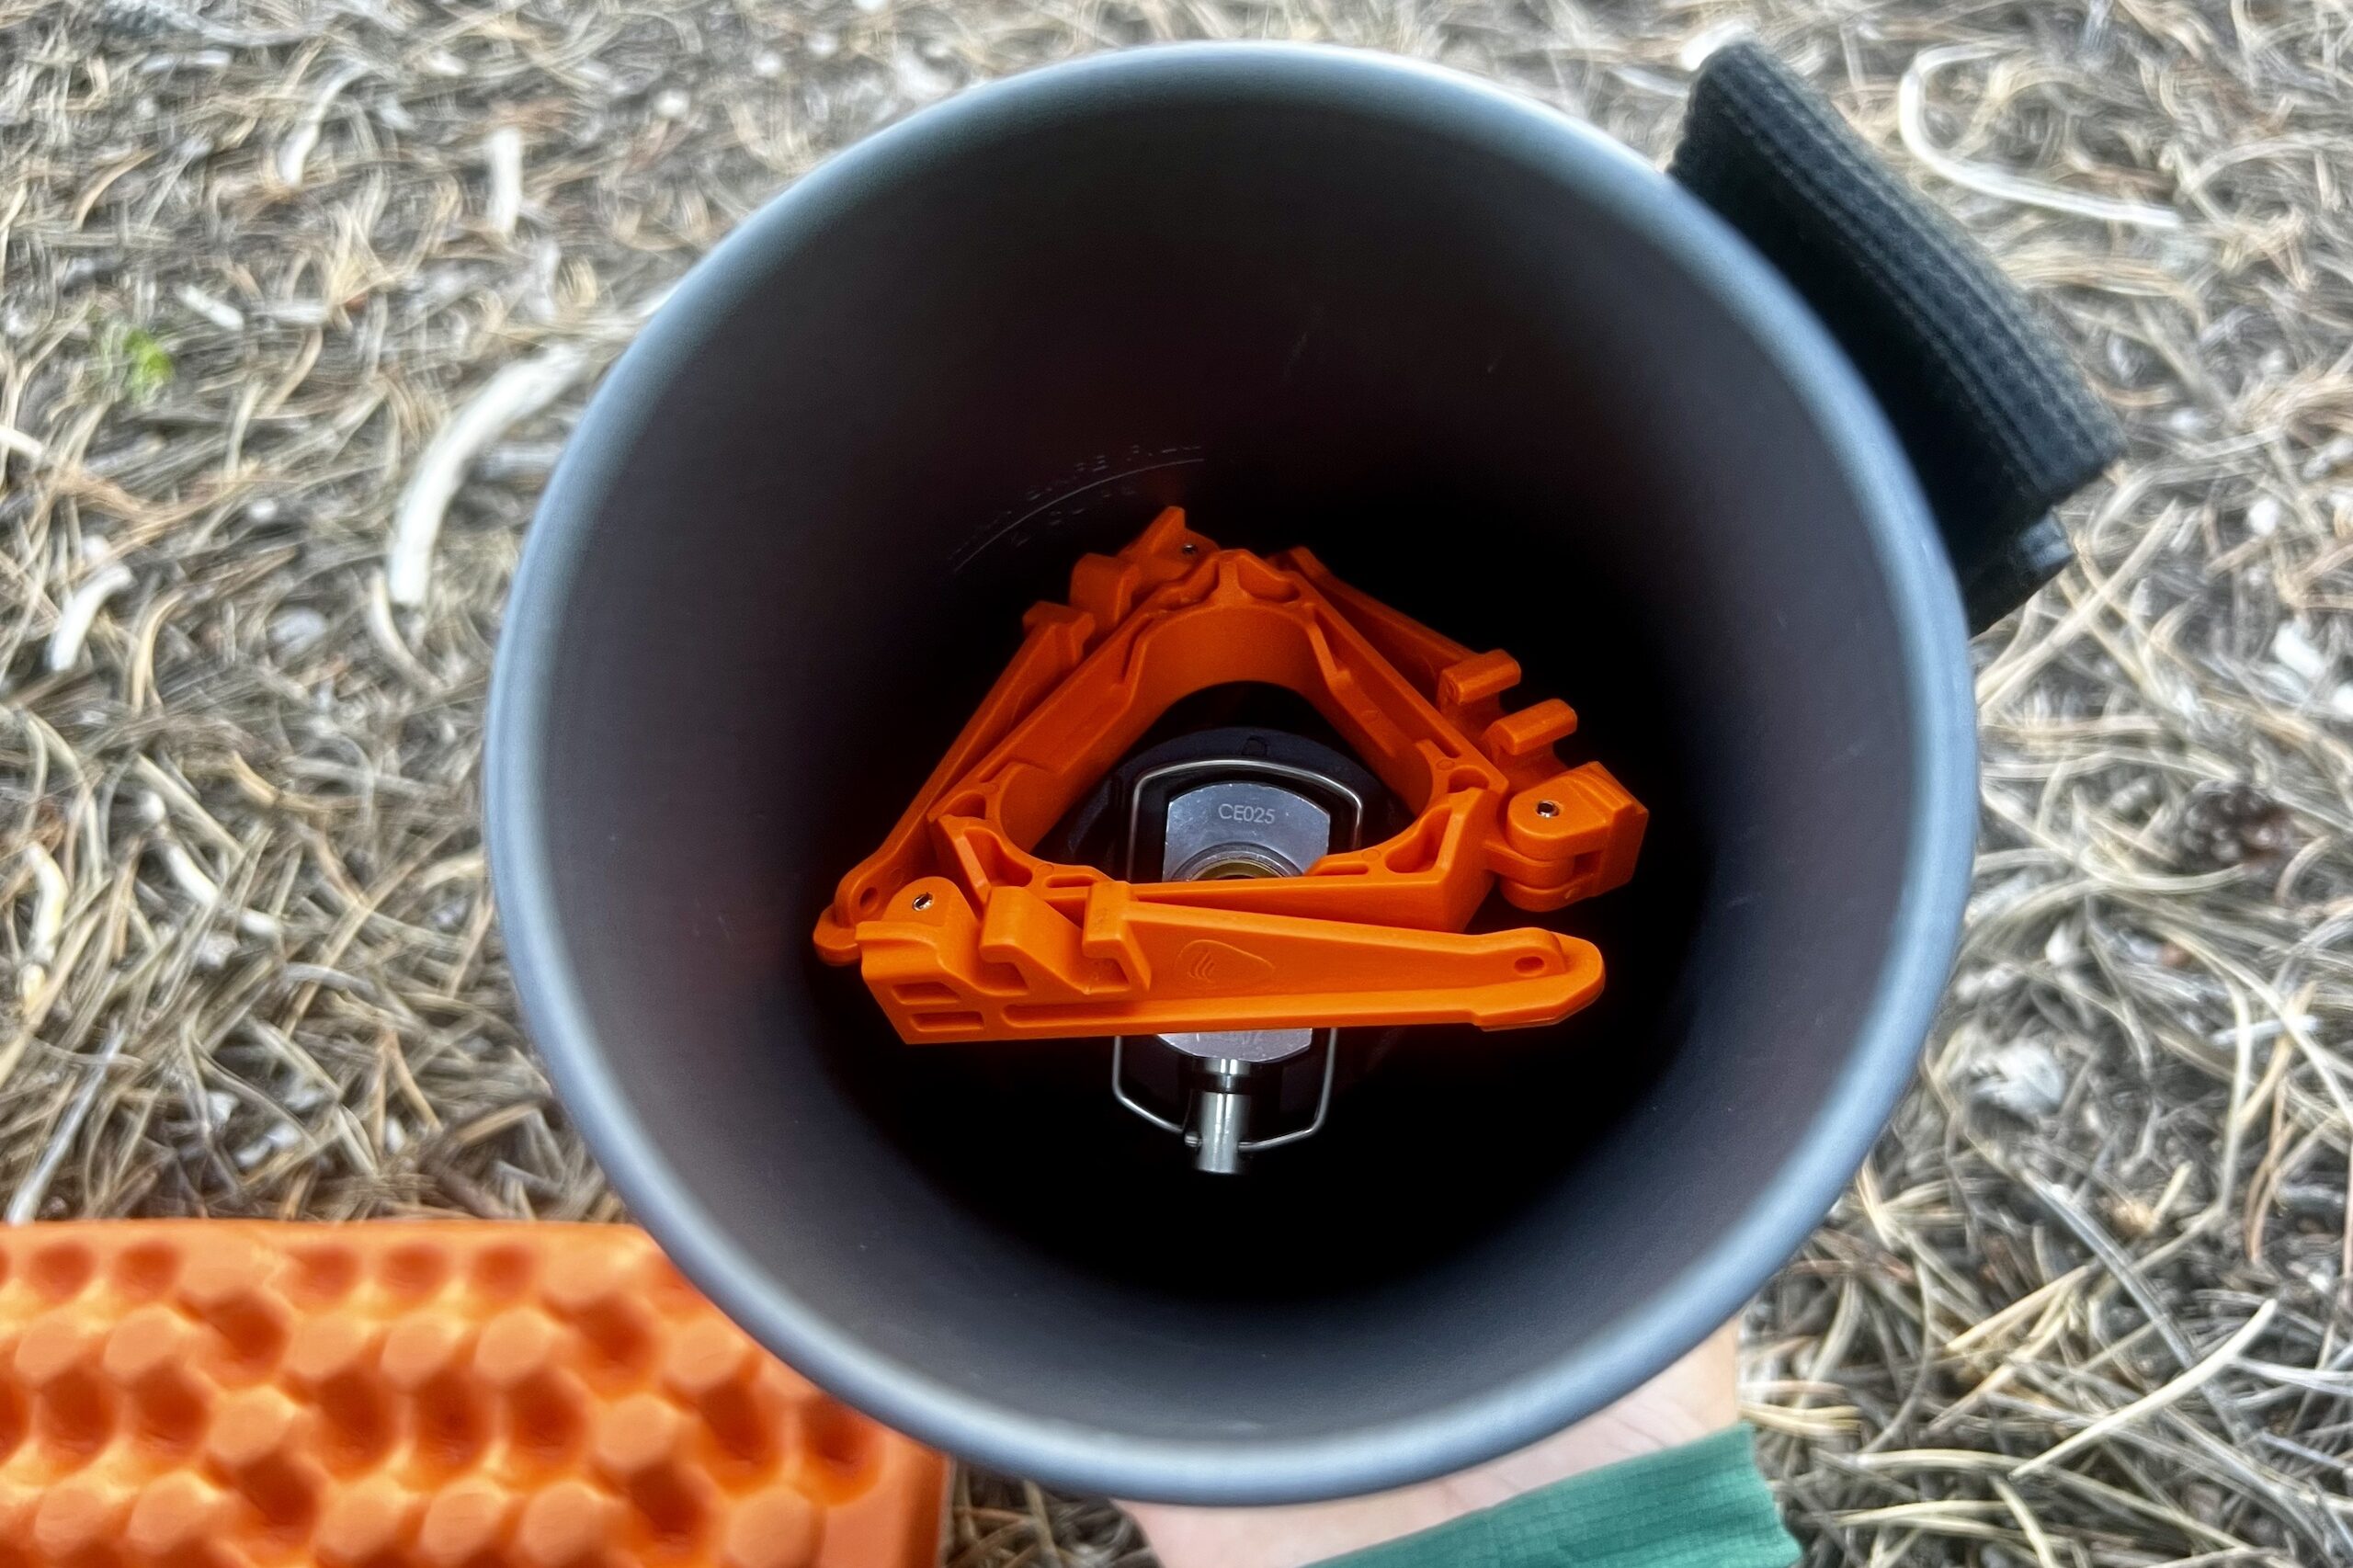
(137, 361)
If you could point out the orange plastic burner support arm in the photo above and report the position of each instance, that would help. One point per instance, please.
(964, 933)
(1128, 966)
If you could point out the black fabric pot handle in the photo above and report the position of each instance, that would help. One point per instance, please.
(1997, 423)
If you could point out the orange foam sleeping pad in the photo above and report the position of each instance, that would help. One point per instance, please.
(460, 1394)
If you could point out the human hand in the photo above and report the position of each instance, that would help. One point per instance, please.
(1696, 1396)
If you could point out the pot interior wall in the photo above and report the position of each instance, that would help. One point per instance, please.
(1478, 395)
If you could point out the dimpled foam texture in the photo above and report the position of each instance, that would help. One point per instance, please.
(459, 1394)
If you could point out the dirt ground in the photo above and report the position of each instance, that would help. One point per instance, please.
(282, 282)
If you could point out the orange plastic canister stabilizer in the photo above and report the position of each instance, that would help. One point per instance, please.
(227, 1394)
(963, 932)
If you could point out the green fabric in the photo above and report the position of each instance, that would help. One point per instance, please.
(1701, 1505)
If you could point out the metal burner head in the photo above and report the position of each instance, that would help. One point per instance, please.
(1223, 818)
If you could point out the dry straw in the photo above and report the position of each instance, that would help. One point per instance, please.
(297, 303)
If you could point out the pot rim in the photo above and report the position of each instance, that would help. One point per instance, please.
(1584, 1377)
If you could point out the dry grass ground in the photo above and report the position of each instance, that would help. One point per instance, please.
(2088, 1302)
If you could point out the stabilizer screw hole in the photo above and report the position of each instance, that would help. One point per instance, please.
(1548, 807)
(923, 901)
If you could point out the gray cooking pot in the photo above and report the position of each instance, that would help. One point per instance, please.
(1492, 368)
